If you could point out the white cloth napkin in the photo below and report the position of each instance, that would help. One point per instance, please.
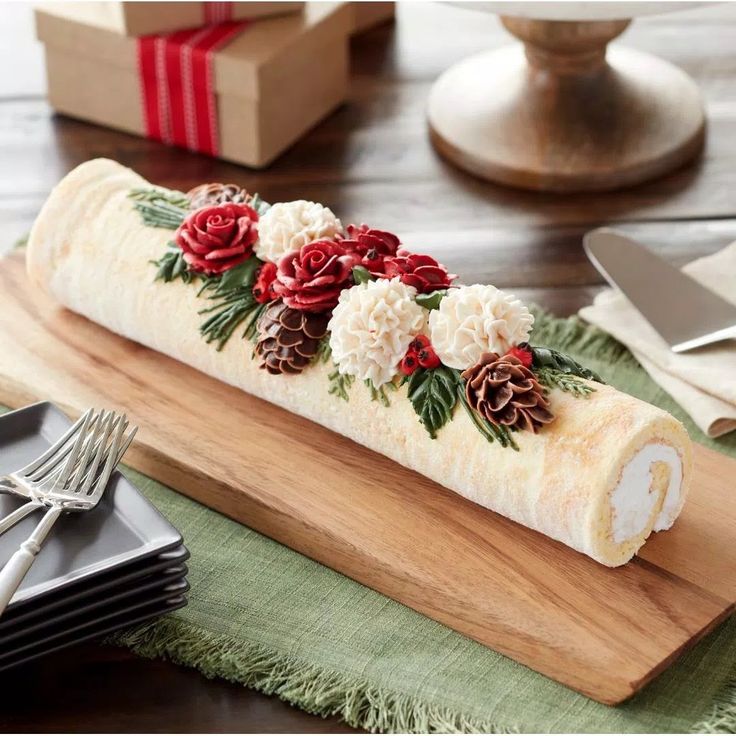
(703, 381)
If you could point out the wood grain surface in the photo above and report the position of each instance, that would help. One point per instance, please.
(603, 632)
(370, 160)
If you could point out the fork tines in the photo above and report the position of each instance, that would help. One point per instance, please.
(83, 457)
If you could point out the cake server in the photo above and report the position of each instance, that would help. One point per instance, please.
(685, 313)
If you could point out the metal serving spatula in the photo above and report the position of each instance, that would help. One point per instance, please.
(682, 311)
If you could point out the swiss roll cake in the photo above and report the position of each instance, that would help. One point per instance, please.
(347, 326)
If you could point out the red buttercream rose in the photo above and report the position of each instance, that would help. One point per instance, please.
(263, 288)
(216, 239)
(312, 278)
(422, 272)
(371, 245)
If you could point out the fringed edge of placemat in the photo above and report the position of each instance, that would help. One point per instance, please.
(324, 692)
(722, 716)
(316, 690)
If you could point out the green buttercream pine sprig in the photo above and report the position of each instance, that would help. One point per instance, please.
(165, 208)
(551, 378)
(554, 369)
(324, 351)
(492, 432)
(340, 384)
(379, 394)
(234, 303)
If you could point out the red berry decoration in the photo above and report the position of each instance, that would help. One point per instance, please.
(218, 238)
(419, 343)
(263, 288)
(420, 354)
(523, 354)
(410, 363)
(422, 272)
(428, 358)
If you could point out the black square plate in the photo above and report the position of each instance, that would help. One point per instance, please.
(117, 597)
(85, 622)
(94, 630)
(124, 527)
(96, 590)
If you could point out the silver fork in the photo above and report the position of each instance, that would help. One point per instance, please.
(29, 481)
(75, 483)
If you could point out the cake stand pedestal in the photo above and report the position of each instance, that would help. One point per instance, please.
(560, 114)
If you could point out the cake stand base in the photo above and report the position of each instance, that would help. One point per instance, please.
(563, 115)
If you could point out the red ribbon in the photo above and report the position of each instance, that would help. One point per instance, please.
(177, 85)
(217, 12)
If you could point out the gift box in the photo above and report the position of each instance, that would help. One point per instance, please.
(241, 91)
(367, 14)
(145, 18)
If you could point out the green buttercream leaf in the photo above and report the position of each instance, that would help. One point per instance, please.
(172, 266)
(433, 394)
(361, 275)
(259, 205)
(431, 300)
(242, 275)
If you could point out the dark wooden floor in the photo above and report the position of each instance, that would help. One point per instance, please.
(370, 161)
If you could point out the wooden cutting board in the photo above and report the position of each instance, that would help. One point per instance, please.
(603, 632)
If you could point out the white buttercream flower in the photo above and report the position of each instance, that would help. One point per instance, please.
(287, 226)
(472, 320)
(371, 328)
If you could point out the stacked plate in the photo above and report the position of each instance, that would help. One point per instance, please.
(117, 565)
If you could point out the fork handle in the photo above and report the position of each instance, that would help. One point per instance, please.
(15, 569)
(20, 513)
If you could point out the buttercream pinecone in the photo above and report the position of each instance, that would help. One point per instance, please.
(506, 392)
(206, 195)
(288, 338)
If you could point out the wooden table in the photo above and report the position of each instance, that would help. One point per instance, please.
(370, 161)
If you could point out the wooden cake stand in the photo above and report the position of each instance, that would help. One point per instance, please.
(562, 112)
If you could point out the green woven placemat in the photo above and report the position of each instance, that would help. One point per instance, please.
(269, 618)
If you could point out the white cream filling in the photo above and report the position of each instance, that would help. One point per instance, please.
(632, 500)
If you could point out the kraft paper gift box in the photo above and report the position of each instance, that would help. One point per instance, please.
(268, 83)
(144, 18)
(368, 14)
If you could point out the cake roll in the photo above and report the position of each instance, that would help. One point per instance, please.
(345, 326)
